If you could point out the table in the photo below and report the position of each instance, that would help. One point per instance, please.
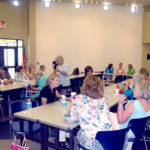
(51, 115)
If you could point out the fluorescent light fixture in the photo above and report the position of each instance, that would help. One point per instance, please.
(15, 2)
(77, 5)
(107, 7)
(133, 9)
(47, 4)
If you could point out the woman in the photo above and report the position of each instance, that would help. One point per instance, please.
(88, 70)
(139, 108)
(20, 75)
(131, 70)
(129, 91)
(5, 76)
(63, 72)
(50, 93)
(145, 72)
(109, 69)
(42, 68)
(91, 110)
(40, 83)
(120, 70)
(31, 72)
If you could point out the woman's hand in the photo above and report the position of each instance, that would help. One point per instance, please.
(122, 100)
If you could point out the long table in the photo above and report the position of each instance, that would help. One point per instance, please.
(51, 115)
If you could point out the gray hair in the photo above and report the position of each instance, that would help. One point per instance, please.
(138, 77)
(59, 59)
(143, 89)
(40, 73)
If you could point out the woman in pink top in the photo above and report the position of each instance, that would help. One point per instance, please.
(120, 70)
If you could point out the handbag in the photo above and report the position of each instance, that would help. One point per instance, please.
(15, 146)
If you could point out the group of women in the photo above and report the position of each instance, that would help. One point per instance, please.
(90, 108)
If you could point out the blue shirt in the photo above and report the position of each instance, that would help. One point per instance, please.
(64, 80)
(41, 83)
(139, 112)
(108, 70)
(129, 93)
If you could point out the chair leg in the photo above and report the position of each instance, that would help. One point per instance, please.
(145, 143)
(2, 112)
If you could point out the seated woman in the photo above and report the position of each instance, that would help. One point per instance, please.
(20, 74)
(40, 83)
(31, 72)
(50, 93)
(120, 70)
(5, 76)
(76, 71)
(91, 110)
(109, 70)
(42, 68)
(88, 70)
(129, 91)
(139, 108)
(145, 72)
(131, 70)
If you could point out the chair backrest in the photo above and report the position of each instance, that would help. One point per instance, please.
(112, 140)
(138, 126)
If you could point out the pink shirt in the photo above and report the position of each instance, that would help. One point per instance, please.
(120, 71)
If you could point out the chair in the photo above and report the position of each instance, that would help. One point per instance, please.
(2, 109)
(17, 106)
(112, 140)
(138, 128)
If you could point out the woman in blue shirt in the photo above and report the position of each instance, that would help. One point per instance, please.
(109, 70)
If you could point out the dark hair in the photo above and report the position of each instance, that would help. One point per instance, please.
(110, 66)
(130, 65)
(19, 68)
(76, 71)
(87, 69)
(4, 68)
(54, 64)
(42, 67)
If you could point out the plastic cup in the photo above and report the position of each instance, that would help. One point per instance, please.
(117, 91)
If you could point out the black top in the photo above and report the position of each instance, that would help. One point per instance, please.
(47, 93)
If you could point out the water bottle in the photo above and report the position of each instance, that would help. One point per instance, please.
(63, 103)
(29, 105)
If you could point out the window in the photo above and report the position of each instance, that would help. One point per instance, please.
(11, 54)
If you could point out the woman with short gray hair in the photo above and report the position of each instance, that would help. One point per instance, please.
(139, 108)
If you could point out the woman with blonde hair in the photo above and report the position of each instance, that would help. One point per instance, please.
(145, 72)
(63, 71)
(31, 72)
(91, 110)
(139, 108)
(50, 93)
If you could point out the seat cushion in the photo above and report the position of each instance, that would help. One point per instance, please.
(16, 127)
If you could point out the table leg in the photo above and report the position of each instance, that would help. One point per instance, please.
(21, 130)
(71, 141)
(56, 137)
(44, 137)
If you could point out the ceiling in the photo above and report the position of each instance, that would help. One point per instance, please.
(140, 3)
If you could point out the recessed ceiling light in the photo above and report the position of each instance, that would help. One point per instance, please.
(15, 2)
(47, 4)
(133, 9)
(107, 7)
(77, 5)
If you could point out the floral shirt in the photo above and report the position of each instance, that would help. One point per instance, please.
(19, 78)
(92, 115)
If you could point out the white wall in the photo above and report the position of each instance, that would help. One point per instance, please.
(89, 36)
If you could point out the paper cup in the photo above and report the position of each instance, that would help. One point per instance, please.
(117, 91)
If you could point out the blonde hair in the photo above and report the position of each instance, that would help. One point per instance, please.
(92, 87)
(138, 77)
(59, 59)
(143, 89)
(51, 77)
(30, 67)
(39, 73)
